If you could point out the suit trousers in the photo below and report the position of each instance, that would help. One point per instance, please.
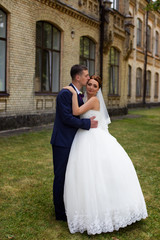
(60, 160)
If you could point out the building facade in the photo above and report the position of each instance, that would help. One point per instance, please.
(41, 39)
(117, 47)
(144, 62)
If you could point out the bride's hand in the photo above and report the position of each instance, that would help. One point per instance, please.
(71, 89)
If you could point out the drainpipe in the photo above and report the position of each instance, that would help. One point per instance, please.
(101, 6)
(145, 60)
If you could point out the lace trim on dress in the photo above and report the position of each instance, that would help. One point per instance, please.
(109, 223)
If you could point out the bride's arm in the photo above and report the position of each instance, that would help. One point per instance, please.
(92, 103)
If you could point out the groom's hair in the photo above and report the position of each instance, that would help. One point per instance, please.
(77, 69)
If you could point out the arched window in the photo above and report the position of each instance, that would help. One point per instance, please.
(157, 44)
(138, 82)
(3, 50)
(47, 58)
(148, 83)
(139, 32)
(129, 79)
(87, 54)
(114, 55)
(149, 38)
(156, 85)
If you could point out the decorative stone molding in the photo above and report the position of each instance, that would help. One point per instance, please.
(91, 5)
(48, 103)
(118, 25)
(71, 12)
(3, 105)
(108, 30)
(128, 43)
(133, 1)
(150, 60)
(151, 16)
(142, 7)
(39, 104)
(158, 21)
(157, 63)
(6, 5)
(140, 56)
(113, 101)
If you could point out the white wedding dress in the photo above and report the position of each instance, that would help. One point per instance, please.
(102, 192)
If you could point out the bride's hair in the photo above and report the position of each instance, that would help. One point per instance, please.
(97, 78)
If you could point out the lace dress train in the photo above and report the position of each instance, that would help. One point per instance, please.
(102, 192)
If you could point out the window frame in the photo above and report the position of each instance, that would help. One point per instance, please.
(112, 67)
(129, 79)
(149, 38)
(148, 83)
(157, 43)
(156, 88)
(115, 4)
(5, 39)
(51, 50)
(83, 58)
(139, 77)
(139, 33)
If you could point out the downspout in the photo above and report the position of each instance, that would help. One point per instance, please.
(101, 6)
(145, 60)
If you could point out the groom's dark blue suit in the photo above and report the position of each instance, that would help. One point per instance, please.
(65, 128)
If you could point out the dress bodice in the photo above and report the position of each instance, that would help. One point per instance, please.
(101, 121)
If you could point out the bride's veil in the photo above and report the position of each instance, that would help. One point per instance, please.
(103, 109)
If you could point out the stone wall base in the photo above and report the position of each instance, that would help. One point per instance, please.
(19, 121)
(117, 111)
(141, 105)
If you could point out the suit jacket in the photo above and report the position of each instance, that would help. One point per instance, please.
(66, 125)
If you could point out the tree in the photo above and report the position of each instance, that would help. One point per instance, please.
(154, 6)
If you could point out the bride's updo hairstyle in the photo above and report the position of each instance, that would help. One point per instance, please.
(97, 79)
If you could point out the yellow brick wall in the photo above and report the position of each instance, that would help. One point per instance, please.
(22, 18)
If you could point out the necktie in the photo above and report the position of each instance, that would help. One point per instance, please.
(81, 95)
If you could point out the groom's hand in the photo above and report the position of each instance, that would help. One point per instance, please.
(94, 123)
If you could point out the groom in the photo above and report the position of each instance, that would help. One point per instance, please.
(65, 128)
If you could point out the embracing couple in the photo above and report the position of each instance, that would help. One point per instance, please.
(96, 188)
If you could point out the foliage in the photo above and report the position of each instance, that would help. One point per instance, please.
(154, 6)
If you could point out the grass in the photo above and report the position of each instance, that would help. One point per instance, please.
(26, 175)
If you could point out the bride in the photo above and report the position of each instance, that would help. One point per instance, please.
(102, 192)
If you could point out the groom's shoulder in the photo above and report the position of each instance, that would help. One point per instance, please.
(64, 92)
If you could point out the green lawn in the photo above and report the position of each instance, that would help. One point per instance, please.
(26, 175)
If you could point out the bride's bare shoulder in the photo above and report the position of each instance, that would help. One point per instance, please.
(95, 98)
(95, 102)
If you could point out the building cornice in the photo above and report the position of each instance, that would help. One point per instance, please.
(133, 2)
(70, 11)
